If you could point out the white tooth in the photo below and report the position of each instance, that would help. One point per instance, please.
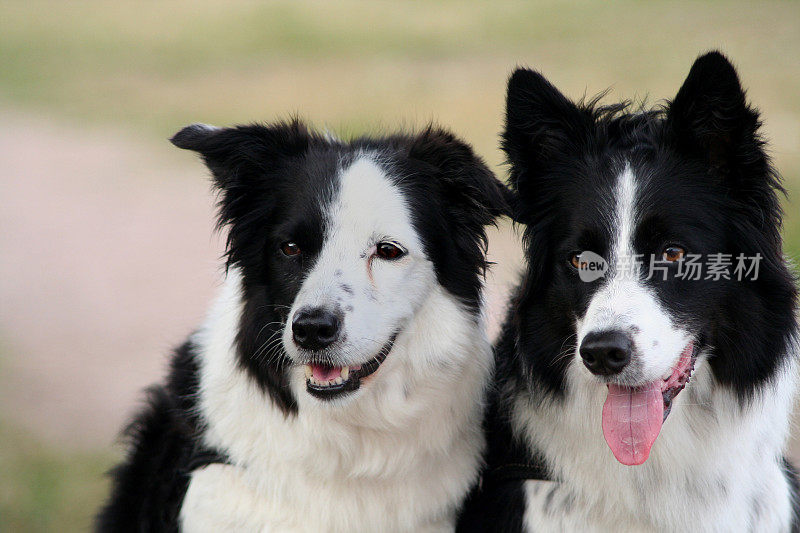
(337, 381)
(308, 371)
(345, 373)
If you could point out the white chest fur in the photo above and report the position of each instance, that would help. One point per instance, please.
(399, 457)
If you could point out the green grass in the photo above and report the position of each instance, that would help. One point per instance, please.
(150, 64)
(42, 489)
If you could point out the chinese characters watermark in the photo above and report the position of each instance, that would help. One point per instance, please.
(691, 267)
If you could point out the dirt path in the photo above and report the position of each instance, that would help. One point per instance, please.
(107, 259)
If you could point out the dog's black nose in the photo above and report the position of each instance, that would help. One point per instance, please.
(314, 328)
(606, 353)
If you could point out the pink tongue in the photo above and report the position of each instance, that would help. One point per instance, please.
(325, 373)
(632, 419)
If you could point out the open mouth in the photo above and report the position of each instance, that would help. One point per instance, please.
(633, 416)
(327, 382)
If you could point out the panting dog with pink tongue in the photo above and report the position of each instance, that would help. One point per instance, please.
(646, 371)
(632, 416)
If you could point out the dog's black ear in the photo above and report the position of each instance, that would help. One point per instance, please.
(711, 120)
(541, 125)
(237, 156)
(243, 161)
(470, 187)
(472, 198)
(710, 117)
(242, 158)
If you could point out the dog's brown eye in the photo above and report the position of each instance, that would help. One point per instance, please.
(290, 248)
(575, 260)
(388, 250)
(673, 253)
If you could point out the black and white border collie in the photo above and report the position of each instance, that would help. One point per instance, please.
(338, 382)
(643, 403)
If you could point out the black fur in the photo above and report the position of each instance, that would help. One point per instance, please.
(148, 487)
(274, 183)
(498, 503)
(710, 187)
(467, 198)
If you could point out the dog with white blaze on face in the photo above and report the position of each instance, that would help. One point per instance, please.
(641, 386)
(339, 381)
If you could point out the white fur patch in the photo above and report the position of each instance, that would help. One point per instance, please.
(378, 297)
(218, 499)
(626, 303)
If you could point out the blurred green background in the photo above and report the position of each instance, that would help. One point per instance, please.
(100, 214)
